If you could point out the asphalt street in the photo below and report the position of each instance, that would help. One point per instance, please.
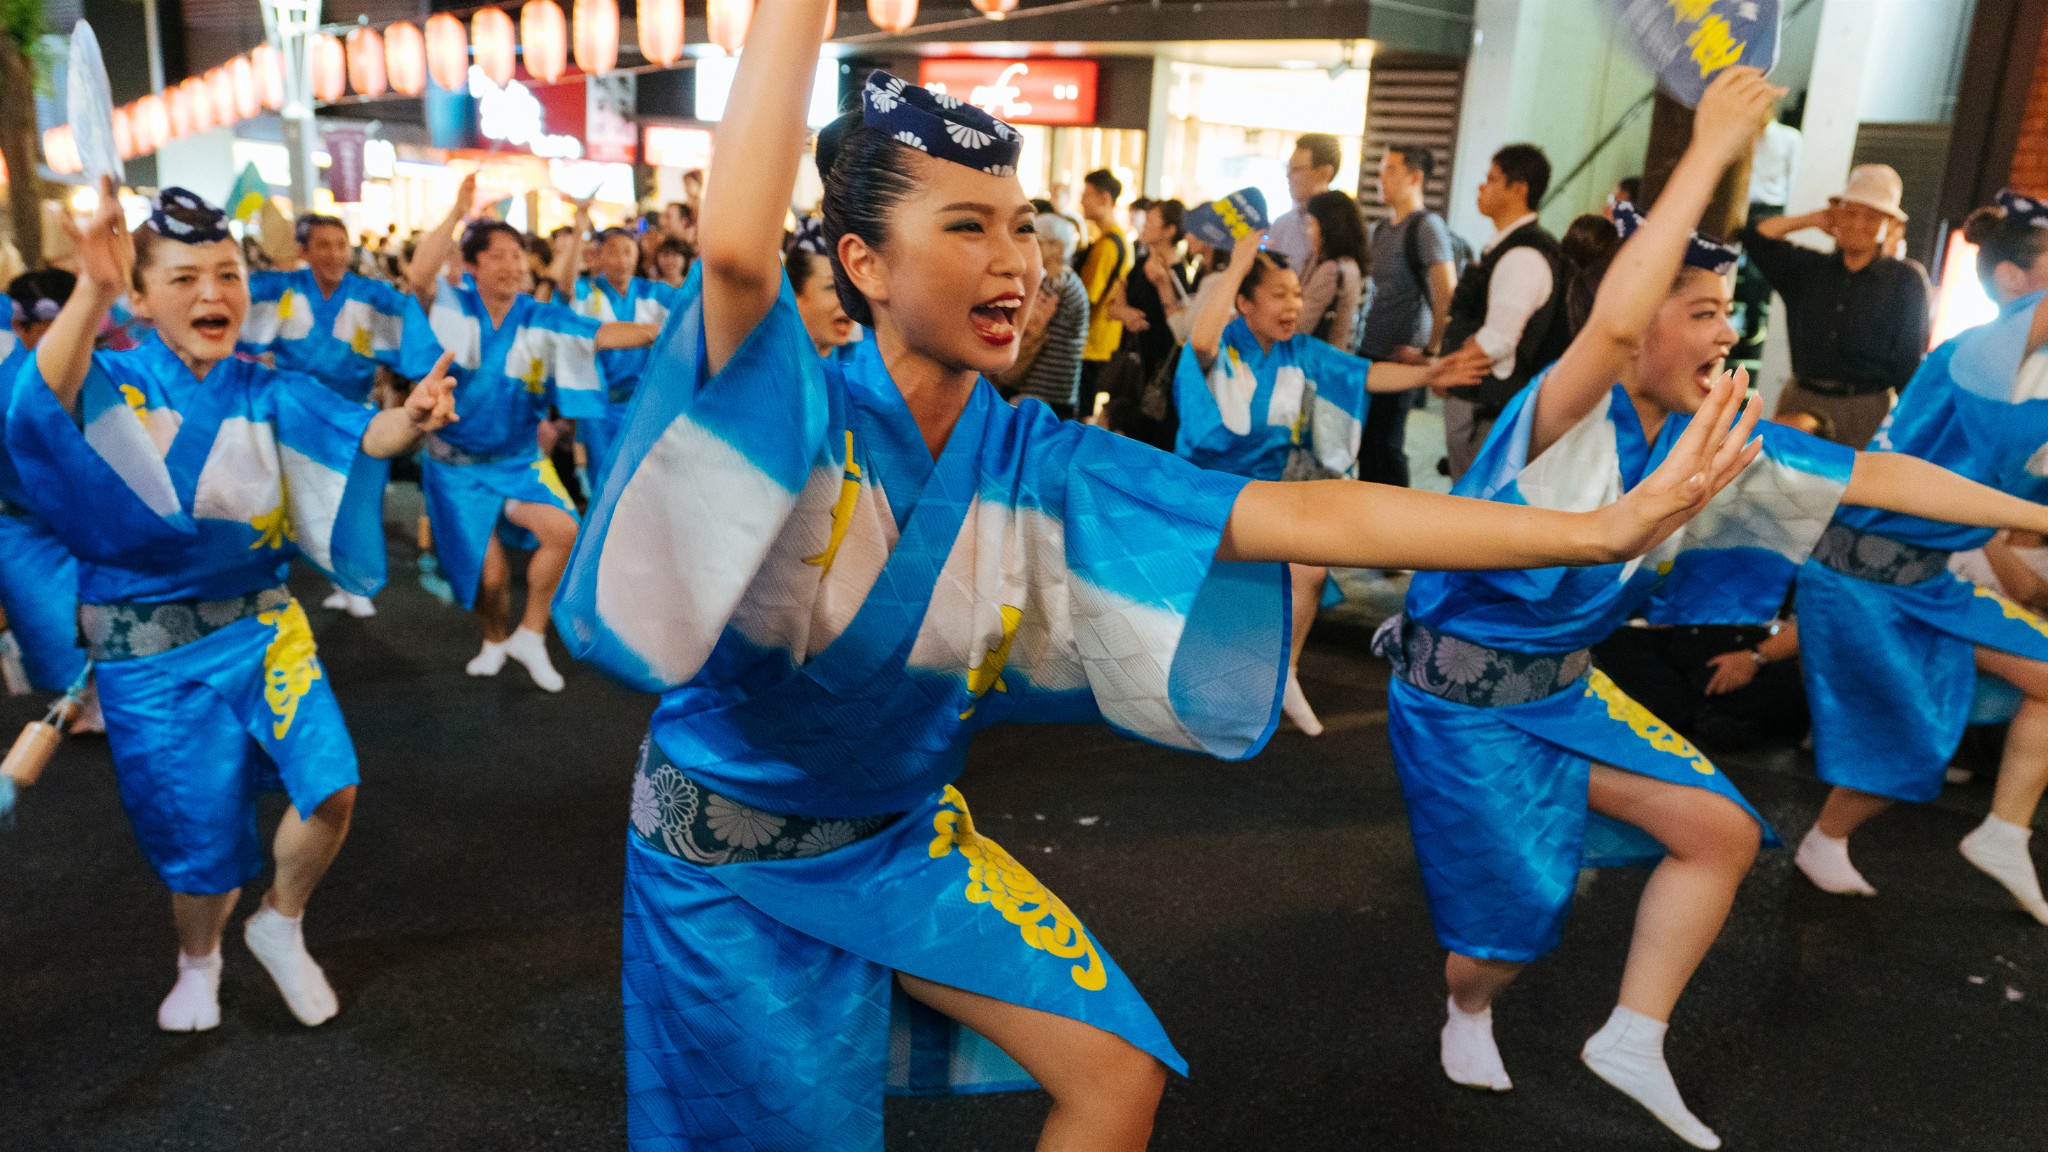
(1270, 910)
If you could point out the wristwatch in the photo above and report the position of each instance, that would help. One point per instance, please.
(1757, 654)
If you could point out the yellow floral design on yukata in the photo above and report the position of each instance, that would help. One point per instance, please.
(136, 401)
(842, 512)
(274, 528)
(290, 665)
(1644, 722)
(987, 674)
(536, 376)
(2013, 611)
(995, 878)
(360, 342)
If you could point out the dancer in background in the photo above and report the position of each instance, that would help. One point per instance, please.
(333, 326)
(833, 333)
(837, 572)
(485, 479)
(614, 293)
(1889, 636)
(185, 479)
(1257, 399)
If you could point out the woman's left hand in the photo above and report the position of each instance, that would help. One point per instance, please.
(431, 406)
(1710, 455)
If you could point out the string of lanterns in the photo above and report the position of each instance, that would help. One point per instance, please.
(401, 57)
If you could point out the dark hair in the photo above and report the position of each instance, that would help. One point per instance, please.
(303, 230)
(803, 266)
(1337, 218)
(1171, 213)
(1040, 206)
(2003, 239)
(1586, 247)
(1527, 165)
(29, 288)
(684, 210)
(867, 174)
(1417, 158)
(1103, 180)
(671, 244)
(1323, 150)
(1631, 187)
(1261, 263)
(478, 236)
(1141, 204)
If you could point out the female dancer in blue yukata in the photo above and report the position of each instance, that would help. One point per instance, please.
(1504, 736)
(1243, 360)
(1889, 636)
(835, 573)
(185, 479)
(38, 577)
(485, 479)
(333, 326)
(615, 293)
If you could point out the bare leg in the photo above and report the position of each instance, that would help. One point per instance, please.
(1475, 982)
(1847, 810)
(1104, 1091)
(1999, 845)
(305, 848)
(1307, 582)
(556, 531)
(494, 594)
(200, 920)
(1467, 1049)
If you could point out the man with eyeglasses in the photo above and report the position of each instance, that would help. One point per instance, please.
(1309, 172)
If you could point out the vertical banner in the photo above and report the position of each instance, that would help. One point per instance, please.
(1685, 42)
(609, 134)
(344, 163)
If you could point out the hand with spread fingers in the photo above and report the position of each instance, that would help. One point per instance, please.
(1714, 450)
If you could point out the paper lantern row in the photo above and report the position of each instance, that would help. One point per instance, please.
(235, 91)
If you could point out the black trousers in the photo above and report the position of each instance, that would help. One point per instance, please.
(1665, 670)
(1383, 443)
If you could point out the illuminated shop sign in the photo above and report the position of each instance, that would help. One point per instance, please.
(1056, 92)
(512, 114)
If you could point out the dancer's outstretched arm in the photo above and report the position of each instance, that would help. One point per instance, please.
(1896, 482)
(106, 258)
(1354, 525)
(438, 244)
(741, 225)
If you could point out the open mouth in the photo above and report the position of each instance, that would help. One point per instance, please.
(996, 321)
(212, 327)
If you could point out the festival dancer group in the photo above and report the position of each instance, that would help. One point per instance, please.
(836, 562)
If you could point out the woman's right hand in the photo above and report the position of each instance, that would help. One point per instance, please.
(1735, 108)
(106, 254)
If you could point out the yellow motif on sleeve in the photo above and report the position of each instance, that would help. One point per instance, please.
(136, 401)
(290, 665)
(360, 342)
(284, 305)
(2013, 611)
(552, 481)
(274, 528)
(536, 376)
(987, 674)
(995, 878)
(842, 512)
(1644, 722)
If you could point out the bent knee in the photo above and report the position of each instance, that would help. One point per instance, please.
(1722, 831)
(1122, 1079)
(338, 807)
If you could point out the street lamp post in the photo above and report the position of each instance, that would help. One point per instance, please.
(290, 26)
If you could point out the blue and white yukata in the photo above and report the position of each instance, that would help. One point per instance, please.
(506, 378)
(1887, 634)
(643, 302)
(184, 501)
(1496, 713)
(830, 614)
(38, 578)
(338, 340)
(1293, 412)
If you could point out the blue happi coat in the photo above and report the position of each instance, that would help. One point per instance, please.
(829, 614)
(1496, 794)
(1294, 411)
(38, 578)
(643, 302)
(184, 501)
(506, 376)
(338, 340)
(1890, 666)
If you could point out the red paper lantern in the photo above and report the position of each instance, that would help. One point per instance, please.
(269, 69)
(448, 52)
(220, 89)
(242, 76)
(366, 61)
(152, 124)
(124, 133)
(728, 21)
(595, 24)
(176, 115)
(544, 38)
(405, 58)
(490, 34)
(198, 104)
(661, 31)
(995, 9)
(892, 15)
(330, 68)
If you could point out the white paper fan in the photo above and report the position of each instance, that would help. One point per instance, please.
(92, 108)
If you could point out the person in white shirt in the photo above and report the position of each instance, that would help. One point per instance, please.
(1310, 170)
(1508, 304)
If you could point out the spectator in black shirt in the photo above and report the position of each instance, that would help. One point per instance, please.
(1857, 318)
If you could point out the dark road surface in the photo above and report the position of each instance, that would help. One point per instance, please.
(1269, 910)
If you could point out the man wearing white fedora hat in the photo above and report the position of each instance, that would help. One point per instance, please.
(1856, 317)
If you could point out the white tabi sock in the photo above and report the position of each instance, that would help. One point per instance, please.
(1295, 704)
(531, 650)
(337, 599)
(1999, 849)
(1470, 1056)
(489, 660)
(280, 944)
(194, 1002)
(1628, 1052)
(1825, 860)
(359, 607)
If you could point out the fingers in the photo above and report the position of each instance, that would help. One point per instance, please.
(441, 366)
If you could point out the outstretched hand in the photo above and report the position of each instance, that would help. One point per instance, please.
(106, 254)
(431, 406)
(1709, 456)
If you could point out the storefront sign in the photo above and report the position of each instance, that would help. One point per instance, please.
(608, 134)
(513, 115)
(345, 163)
(670, 147)
(1057, 92)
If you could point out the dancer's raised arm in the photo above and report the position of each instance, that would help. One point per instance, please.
(106, 258)
(1734, 110)
(740, 228)
(438, 244)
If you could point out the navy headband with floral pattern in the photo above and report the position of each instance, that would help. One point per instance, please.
(182, 216)
(941, 126)
(1700, 252)
(2034, 212)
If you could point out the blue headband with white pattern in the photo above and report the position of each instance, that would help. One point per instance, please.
(2034, 212)
(938, 125)
(1700, 252)
(185, 217)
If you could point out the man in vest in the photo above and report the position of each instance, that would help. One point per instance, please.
(1510, 304)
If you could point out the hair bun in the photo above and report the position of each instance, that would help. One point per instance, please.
(1983, 225)
(831, 136)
